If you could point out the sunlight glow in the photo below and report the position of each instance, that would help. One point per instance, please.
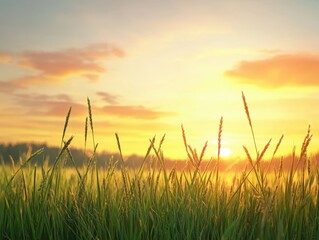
(156, 66)
(224, 152)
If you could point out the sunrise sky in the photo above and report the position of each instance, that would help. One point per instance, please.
(150, 66)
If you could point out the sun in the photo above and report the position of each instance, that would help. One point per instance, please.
(225, 152)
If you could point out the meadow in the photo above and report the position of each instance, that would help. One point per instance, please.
(40, 201)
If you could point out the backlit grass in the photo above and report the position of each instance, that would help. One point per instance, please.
(52, 202)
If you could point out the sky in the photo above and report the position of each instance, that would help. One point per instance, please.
(150, 66)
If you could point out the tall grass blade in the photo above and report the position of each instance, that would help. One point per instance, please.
(65, 125)
(249, 121)
(186, 145)
(38, 152)
(274, 153)
(85, 133)
(219, 142)
(55, 164)
(91, 120)
(122, 165)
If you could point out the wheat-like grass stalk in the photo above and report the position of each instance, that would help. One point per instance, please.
(186, 145)
(194, 158)
(254, 167)
(152, 141)
(292, 170)
(65, 125)
(249, 121)
(304, 148)
(91, 120)
(263, 152)
(220, 137)
(90, 163)
(259, 160)
(303, 156)
(303, 152)
(274, 153)
(277, 146)
(122, 164)
(160, 157)
(309, 166)
(161, 142)
(246, 108)
(219, 142)
(203, 152)
(12, 163)
(248, 156)
(280, 167)
(55, 164)
(85, 133)
(38, 152)
(305, 143)
(74, 164)
(94, 146)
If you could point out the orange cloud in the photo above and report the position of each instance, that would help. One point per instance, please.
(49, 105)
(69, 61)
(270, 51)
(57, 105)
(6, 87)
(4, 57)
(278, 71)
(54, 66)
(139, 112)
(92, 77)
(25, 81)
(108, 98)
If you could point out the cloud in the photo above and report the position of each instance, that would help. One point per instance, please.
(44, 97)
(58, 105)
(55, 66)
(69, 61)
(6, 87)
(270, 51)
(31, 80)
(4, 57)
(92, 77)
(49, 105)
(138, 112)
(108, 98)
(278, 71)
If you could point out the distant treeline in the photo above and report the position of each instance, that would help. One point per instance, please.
(18, 152)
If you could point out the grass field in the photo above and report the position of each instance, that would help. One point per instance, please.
(53, 202)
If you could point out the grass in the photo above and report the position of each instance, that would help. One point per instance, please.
(53, 202)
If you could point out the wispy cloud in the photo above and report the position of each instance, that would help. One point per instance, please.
(69, 61)
(278, 71)
(31, 80)
(55, 66)
(48, 105)
(107, 97)
(4, 57)
(270, 51)
(139, 112)
(6, 87)
(57, 106)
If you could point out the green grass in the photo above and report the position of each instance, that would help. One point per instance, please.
(53, 202)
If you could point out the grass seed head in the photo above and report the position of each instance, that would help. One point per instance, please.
(246, 108)
(220, 137)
